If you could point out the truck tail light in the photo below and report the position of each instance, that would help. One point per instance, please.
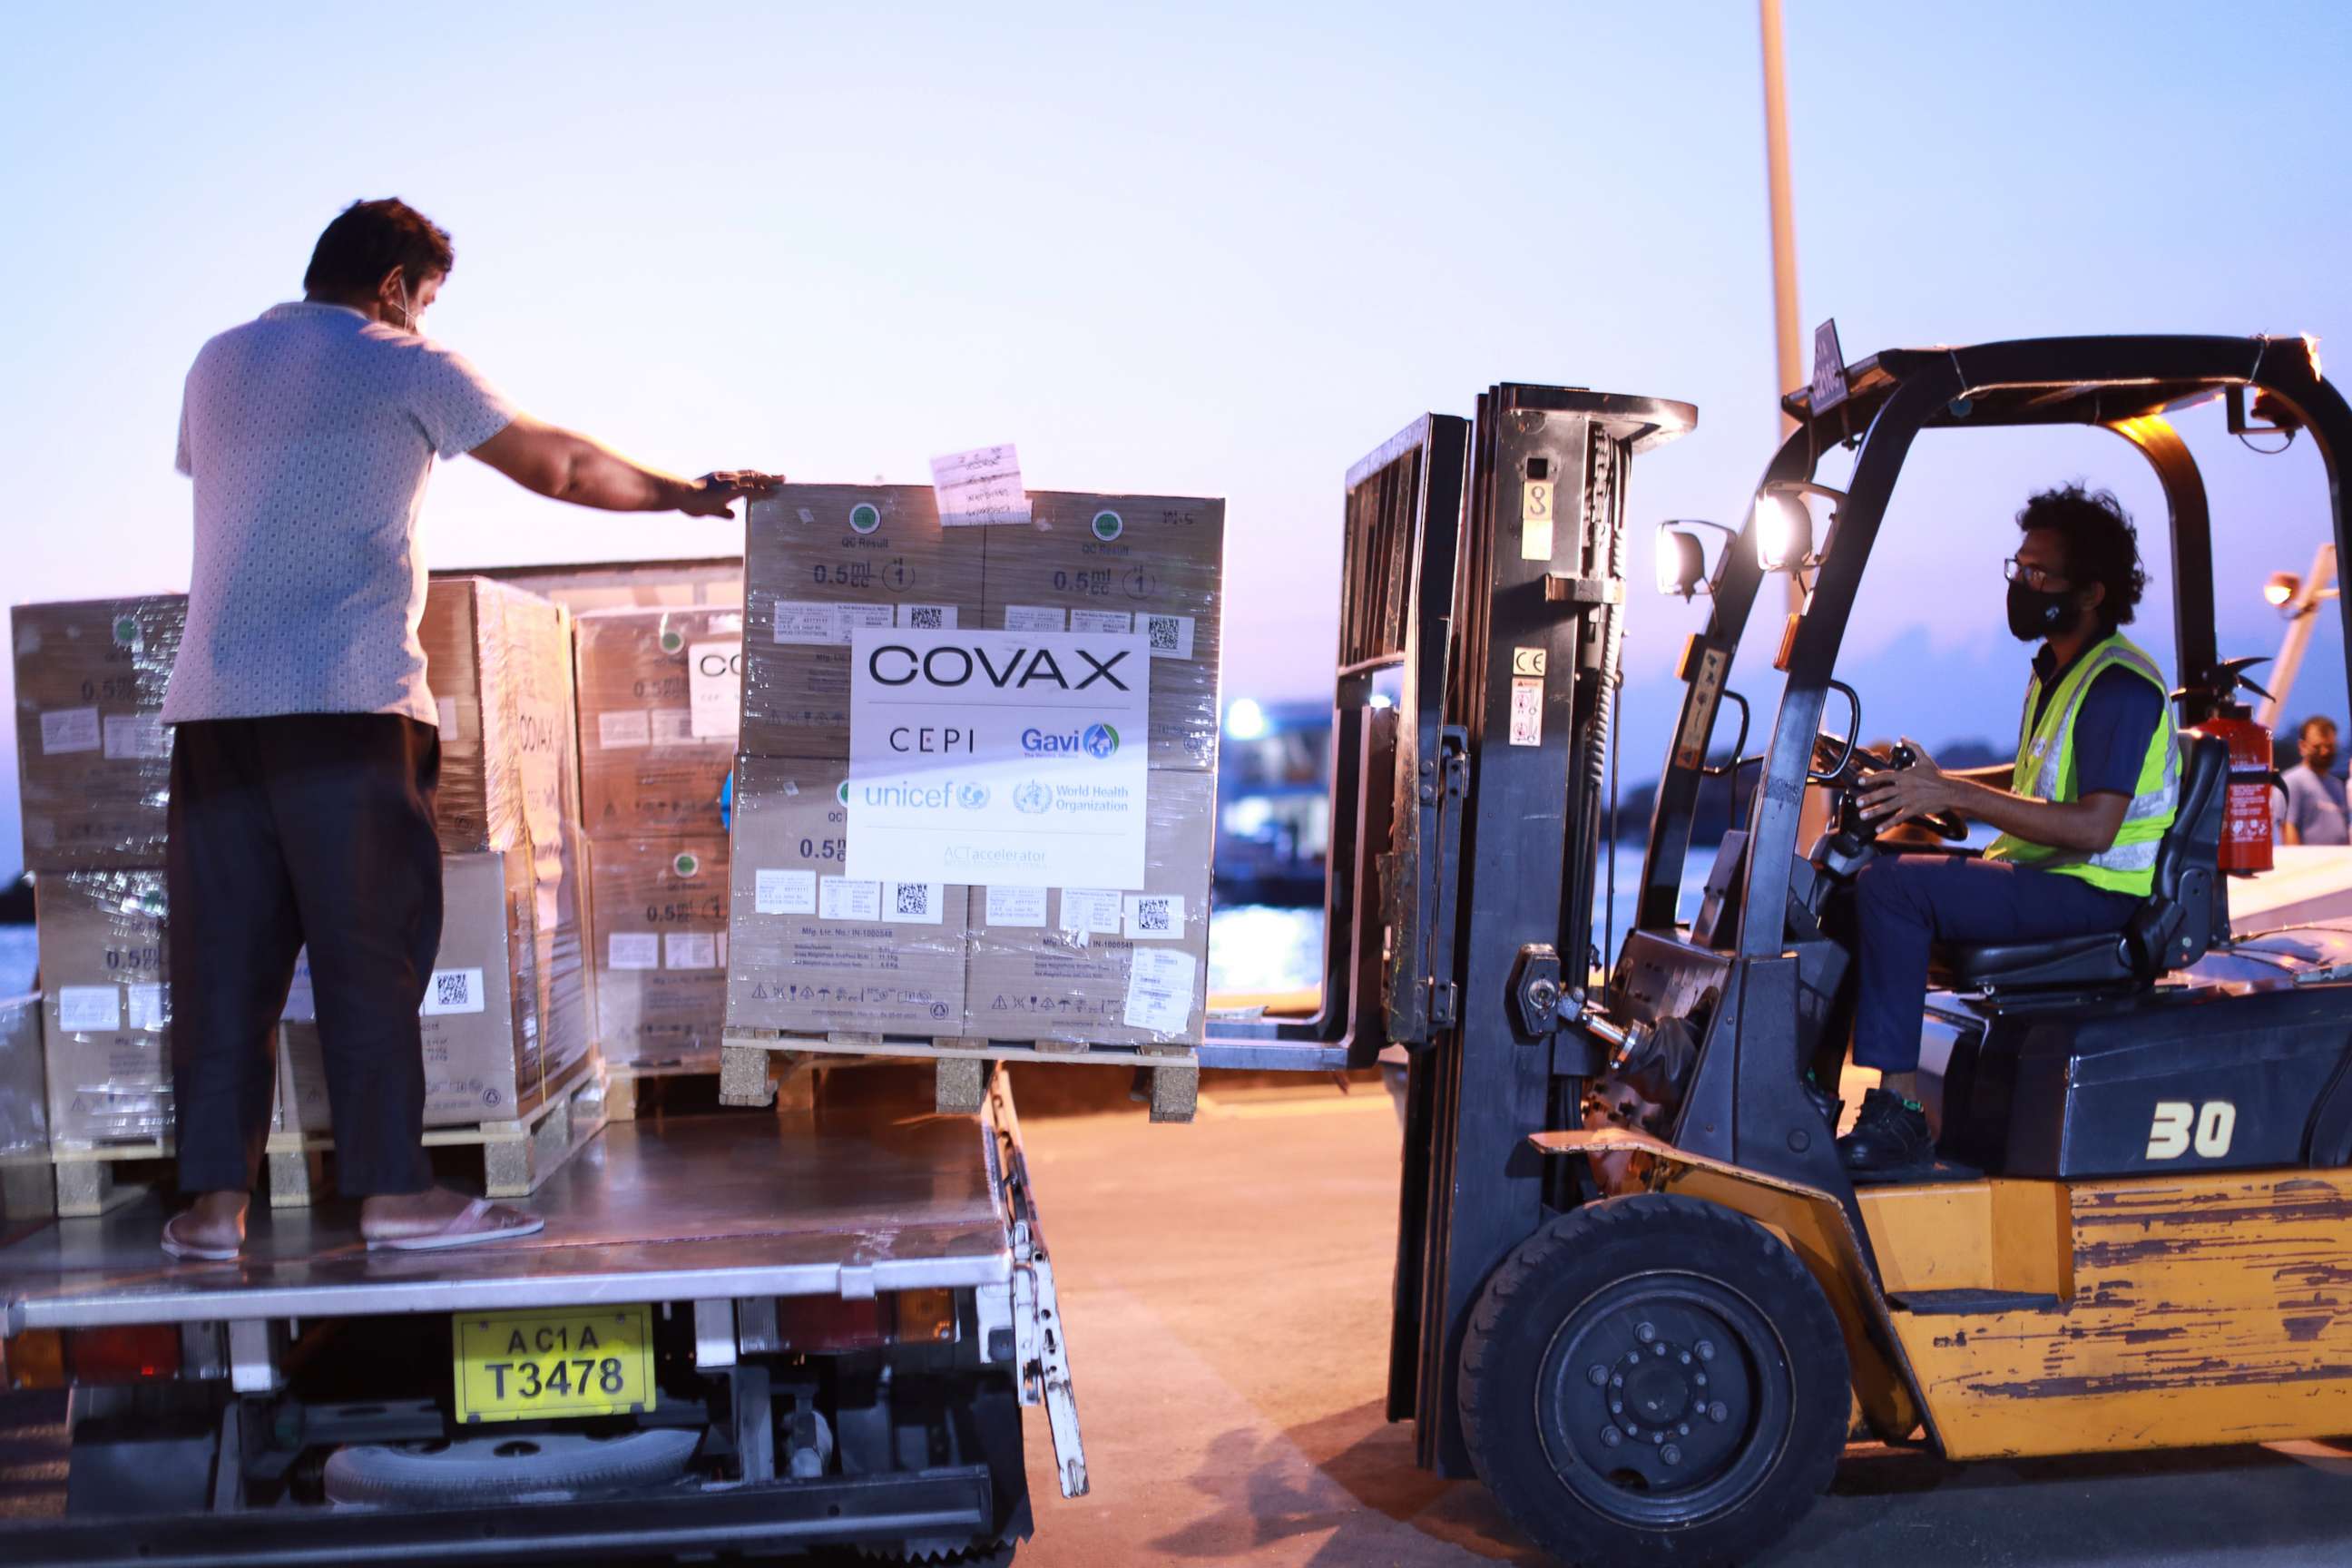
(146, 1353)
(34, 1359)
(828, 1325)
(926, 1316)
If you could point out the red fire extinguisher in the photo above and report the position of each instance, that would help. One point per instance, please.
(2246, 821)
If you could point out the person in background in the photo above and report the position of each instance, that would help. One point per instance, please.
(304, 748)
(2315, 795)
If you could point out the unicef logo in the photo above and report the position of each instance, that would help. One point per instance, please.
(971, 796)
(1031, 798)
(1100, 740)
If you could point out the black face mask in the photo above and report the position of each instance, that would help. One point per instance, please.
(2038, 612)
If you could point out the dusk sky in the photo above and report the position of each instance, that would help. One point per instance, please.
(1209, 249)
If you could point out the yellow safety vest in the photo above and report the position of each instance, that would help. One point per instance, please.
(2045, 771)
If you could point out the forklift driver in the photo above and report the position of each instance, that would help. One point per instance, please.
(2092, 791)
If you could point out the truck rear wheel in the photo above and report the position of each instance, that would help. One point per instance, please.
(1654, 1378)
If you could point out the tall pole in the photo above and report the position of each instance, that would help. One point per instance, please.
(1788, 336)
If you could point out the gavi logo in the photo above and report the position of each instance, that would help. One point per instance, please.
(1100, 742)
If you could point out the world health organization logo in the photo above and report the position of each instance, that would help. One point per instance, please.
(1031, 797)
(1100, 740)
(971, 796)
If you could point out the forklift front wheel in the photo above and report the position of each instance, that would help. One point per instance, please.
(1654, 1378)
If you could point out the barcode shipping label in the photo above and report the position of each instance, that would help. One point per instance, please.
(633, 950)
(1090, 911)
(848, 619)
(690, 950)
(807, 622)
(1169, 637)
(453, 991)
(133, 736)
(151, 1006)
(1154, 917)
(622, 730)
(672, 727)
(839, 899)
(1160, 990)
(1035, 618)
(928, 618)
(914, 903)
(1117, 622)
(89, 1009)
(1016, 906)
(66, 729)
(781, 893)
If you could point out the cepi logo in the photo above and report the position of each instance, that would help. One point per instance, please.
(1097, 740)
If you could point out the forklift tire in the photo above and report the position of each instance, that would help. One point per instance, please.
(1654, 1379)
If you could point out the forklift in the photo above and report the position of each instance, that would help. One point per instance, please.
(1637, 1293)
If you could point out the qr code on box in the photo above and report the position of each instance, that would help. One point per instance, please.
(926, 617)
(451, 992)
(1162, 631)
(1153, 915)
(914, 900)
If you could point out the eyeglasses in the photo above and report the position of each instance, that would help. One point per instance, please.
(2035, 577)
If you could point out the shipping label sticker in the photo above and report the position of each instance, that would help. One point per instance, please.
(999, 758)
(1115, 622)
(89, 1009)
(671, 726)
(1160, 990)
(64, 730)
(453, 991)
(783, 892)
(1527, 711)
(625, 728)
(690, 950)
(134, 737)
(1169, 637)
(848, 618)
(150, 1006)
(1016, 906)
(914, 903)
(1035, 618)
(714, 685)
(979, 487)
(1536, 498)
(927, 617)
(840, 899)
(807, 624)
(446, 711)
(633, 950)
(1154, 917)
(1090, 911)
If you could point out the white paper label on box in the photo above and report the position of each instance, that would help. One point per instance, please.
(69, 729)
(1016, 906)
(1035, 618)
(914, 903)
(1171, 637)
(1154, 917)
(848, 618)
(446, 708)
(89, 1009)
(999, 758)
(781, 893)
(1115, 622)
(1527, 711)
(722, 948)
(301, 1004)
(1536, 498)
(625, 727)
(672, 726)
(131, 736)
(690, 950)
(981, 486)
(151, 1006)
(840, 899)
(633, 950)
(453, 991)
(927, 617)
(1160, 990)
(714, 684)
(1090, 911)
(807, 622)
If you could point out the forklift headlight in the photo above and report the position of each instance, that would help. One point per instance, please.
(1682, 562)
(1784, 532)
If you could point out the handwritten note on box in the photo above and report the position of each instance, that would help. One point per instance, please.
(981, 486)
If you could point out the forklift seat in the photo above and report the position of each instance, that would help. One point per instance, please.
(2183, 914)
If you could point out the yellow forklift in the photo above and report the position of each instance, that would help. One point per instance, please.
(1637, 1292)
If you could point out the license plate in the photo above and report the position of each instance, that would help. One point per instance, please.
(524, 1366)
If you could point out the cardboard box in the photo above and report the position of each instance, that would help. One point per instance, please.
(708, 580)
(94, 759)
(23, 1082)
(1061, 963)
(811, 951)
(106, 1003)
(821, 560)
(498, 662)
(660, 947)
(1150, 564)
(660, 698)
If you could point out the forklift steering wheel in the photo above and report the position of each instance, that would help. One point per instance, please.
(1862, 763)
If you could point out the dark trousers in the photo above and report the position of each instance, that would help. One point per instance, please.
(314, 829)
(1905, 902)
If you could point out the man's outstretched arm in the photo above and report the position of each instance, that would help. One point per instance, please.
(563, 466)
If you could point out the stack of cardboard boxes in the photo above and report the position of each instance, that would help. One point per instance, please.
(815, 951)
(660, 700)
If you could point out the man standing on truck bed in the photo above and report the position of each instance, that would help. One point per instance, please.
(305, 754)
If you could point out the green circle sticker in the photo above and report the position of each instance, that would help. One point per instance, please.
(672, 639)
(865, 517)
(686, 865)
(842, 794)
(1107, 526)
(126, 630)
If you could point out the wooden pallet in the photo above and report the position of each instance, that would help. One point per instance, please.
(516, 1156)
(84, 1180)
(622, 1079)
(747, 1074)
